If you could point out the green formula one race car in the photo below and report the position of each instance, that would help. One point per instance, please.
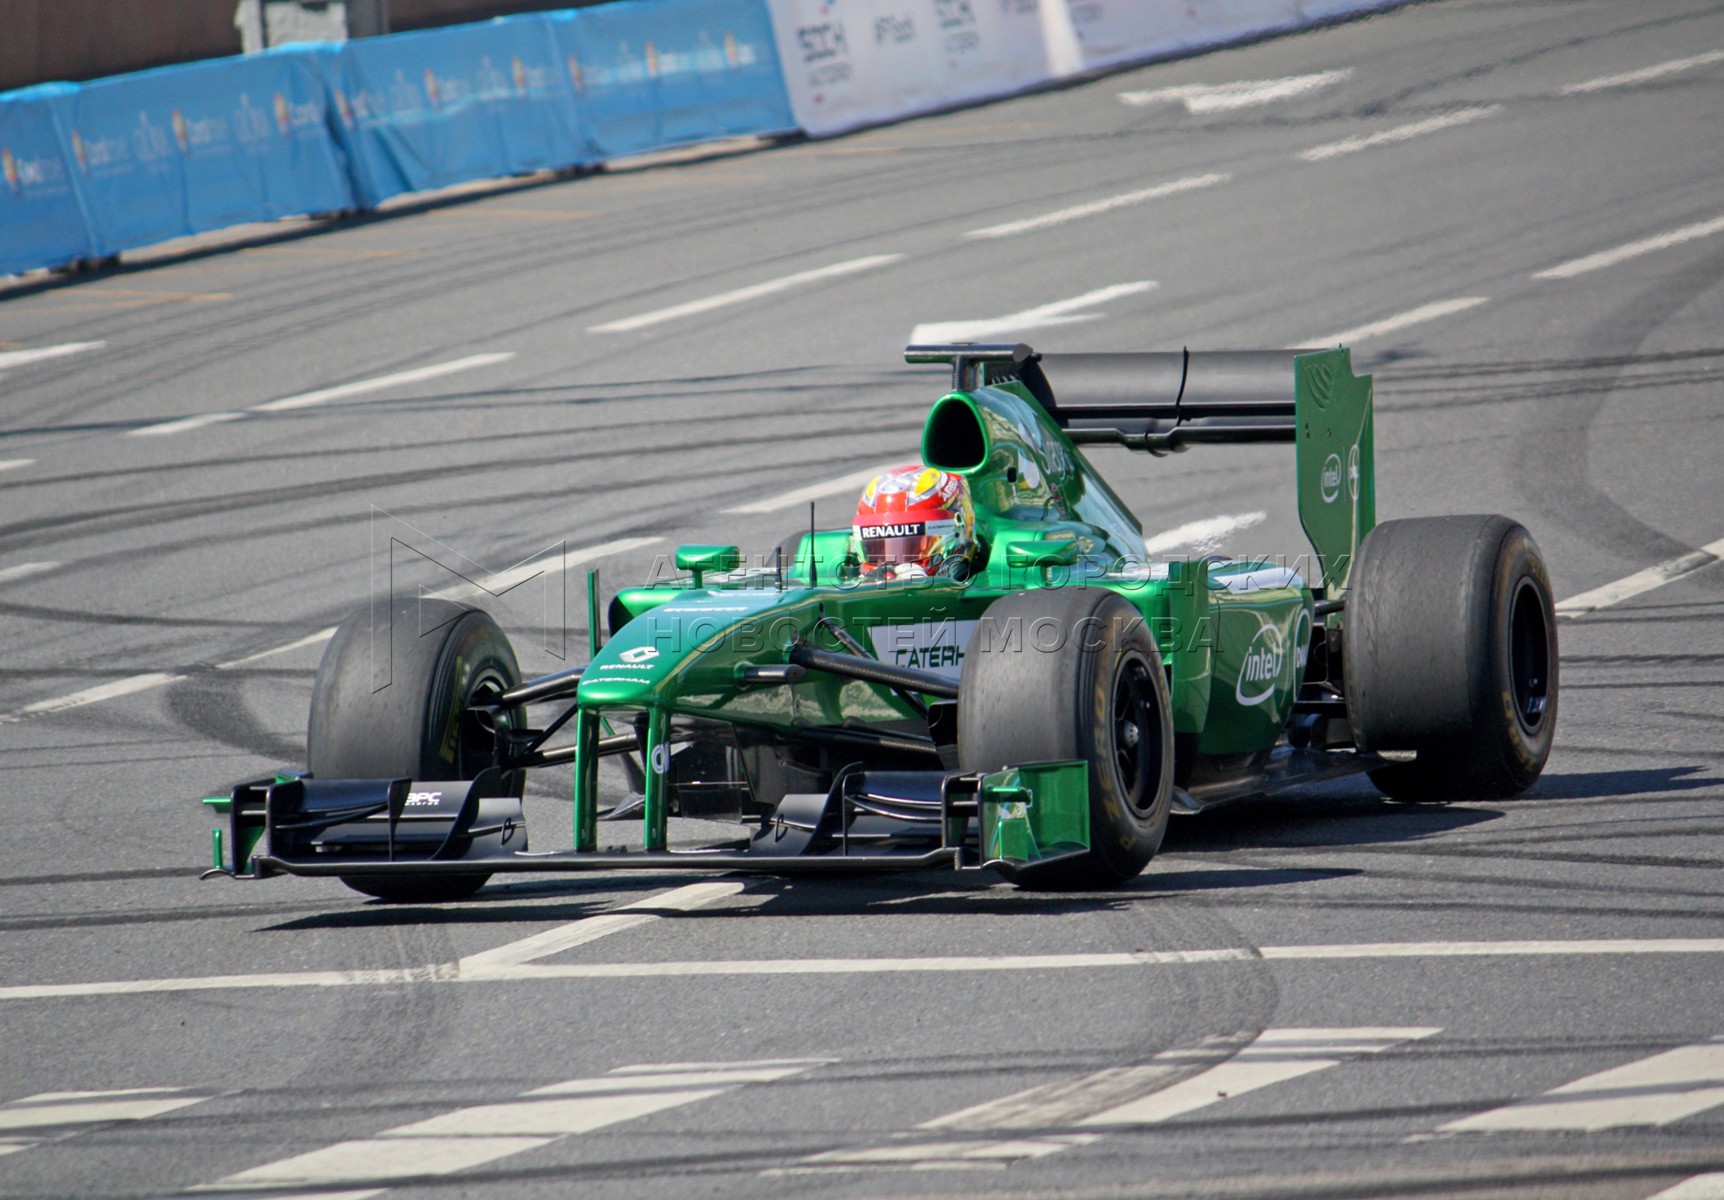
(983, 671)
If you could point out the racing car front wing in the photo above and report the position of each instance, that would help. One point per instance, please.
(1017, 820)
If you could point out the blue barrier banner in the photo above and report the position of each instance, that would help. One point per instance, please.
(425, 110)
(182, 150)
(41, 221)
(649, 74)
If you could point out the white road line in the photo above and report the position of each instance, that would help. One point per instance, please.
(310, 639)
(325, 395)
(530, 972)
(484, 1133)
(1093, 208)
(1057, 1104)
(12, 464)
(817, 491)
(741, 295)
(1277, 1055)
(497, 583)
(591, 929)
(1653, 1091)
(1061, 312)
(143, 683)
(1204, 534)
(20, 358)
(1609, 258)
(1701, 1187)
(1641, 581)
(54, 1115)
(916, 1155)
(360, 388)
(106, 691)
(185, 424)
(25, 570)
(1119, 1096)
(1245, 93)
(1645, 74)
(1399, 133)
(55, 1110)
(1416, 316)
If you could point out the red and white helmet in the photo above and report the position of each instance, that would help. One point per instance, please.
(916, 520)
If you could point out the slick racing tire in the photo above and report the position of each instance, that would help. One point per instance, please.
(1449, 650)
(1074, 674)
(435, 657)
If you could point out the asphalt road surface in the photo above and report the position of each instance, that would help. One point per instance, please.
(1511, 209)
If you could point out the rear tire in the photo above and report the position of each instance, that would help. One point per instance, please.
(1450, 651)
(1074, 674)
(440, 656)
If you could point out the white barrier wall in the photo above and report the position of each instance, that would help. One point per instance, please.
(850, 63)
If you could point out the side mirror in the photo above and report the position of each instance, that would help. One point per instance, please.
(698, 560)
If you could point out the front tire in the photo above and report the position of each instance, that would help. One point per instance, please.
(1074, 674)
(1450, 651)
(399, 713)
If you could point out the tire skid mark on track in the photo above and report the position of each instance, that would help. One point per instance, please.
(53, 530)
(215, 710)
(1555, 476)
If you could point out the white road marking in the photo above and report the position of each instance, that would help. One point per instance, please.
(1204, 534)
(54, 1110)
(25, 570)
(20, 358)
(1701, 1187)
(741, 295)
(1078, 212)
(816, 491)
(496, 584)
(1061, 312)
(1245, 93)
(361, 387)
(184, 424)
(529, 972)
(591, 929)
(310, 639)
(54, 1115)
(1056, 1104)
(1609, 258)
(106, 691)
(1644, 74)
(485, 1133)
(1277, 1055)
(1400, 133)
(155, 679)
(325, 395)
(1118, 1096)
(1416, 316)
(1641, 581)
(913, 1155)
(12, 464)
(1653, 1091)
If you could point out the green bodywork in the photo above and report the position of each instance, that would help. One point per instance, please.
(1233, 636)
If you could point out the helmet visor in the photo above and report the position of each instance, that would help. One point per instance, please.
(898, 549)
(902, 541)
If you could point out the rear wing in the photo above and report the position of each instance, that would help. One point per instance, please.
(1162, 402)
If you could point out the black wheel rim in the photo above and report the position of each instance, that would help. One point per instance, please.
(1529, 656)
(1136, 735)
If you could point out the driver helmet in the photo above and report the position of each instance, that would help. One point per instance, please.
(915, 521)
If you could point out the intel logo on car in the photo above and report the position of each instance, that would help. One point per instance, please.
(1331, 481)
(1260, 673)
